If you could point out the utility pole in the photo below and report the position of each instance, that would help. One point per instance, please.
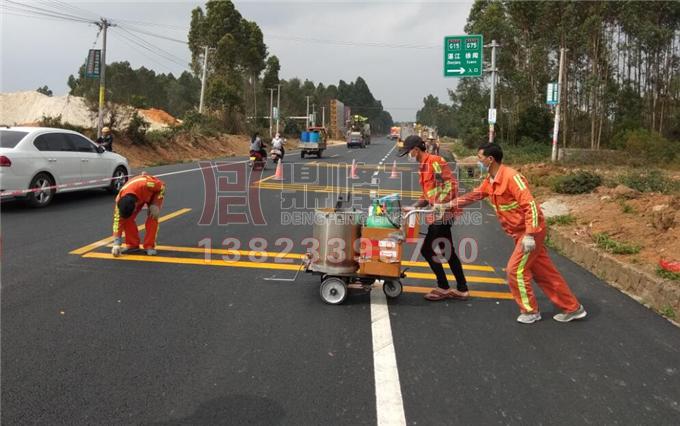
(492, 103)
(556, 127)
(205, 70)
(271, 109)
(103, 25)
(307, 121)
(278, 106)
(314, 114)
(323, 116)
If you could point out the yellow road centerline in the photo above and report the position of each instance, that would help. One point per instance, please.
(105, 241)
(296, 256)
(254, 265)
(473, 293)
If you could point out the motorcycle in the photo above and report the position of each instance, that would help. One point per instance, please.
(275, 155)
(257, 160)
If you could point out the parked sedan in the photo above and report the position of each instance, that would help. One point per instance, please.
(46, 161)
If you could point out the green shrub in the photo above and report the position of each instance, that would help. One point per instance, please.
(202, 124)
(608, 244)
(529, 152)
(561, 220)
(668, 275)
(160, 136)
(649, 181)
(580, 182)
(651, 147)
(136, 129)
(56, 122)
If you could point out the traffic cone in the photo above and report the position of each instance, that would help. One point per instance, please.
(278, 175)
(353, 171)
(394, 174)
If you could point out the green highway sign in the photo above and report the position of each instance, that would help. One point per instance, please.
(463, 55)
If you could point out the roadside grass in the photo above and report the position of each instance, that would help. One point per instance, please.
(668, 312)
(566, 219)
(667, 275)
(610, 245)
(626, 208)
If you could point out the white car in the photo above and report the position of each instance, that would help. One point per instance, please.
(45, 161)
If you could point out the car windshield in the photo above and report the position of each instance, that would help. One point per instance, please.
(10, 138)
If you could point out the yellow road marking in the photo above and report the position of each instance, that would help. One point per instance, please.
(297, 256)
(254, 265)
(263, 180)
(108, 240)
(473, 293)
(426, 276)
(384, 167)
(336, 189)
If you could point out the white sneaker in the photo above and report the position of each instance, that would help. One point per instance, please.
(570, 316)
(529, 318)
(151, 252)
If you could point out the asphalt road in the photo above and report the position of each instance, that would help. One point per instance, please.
(192, 338)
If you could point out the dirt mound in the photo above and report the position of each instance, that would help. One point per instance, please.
(182, 148)
(158, 118)
(29, 107)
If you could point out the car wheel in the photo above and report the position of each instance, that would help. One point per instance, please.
(118, 180)
(43, 184)
(302, 154)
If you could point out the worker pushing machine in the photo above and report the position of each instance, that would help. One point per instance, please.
(439, 189)
(134, 195)
(523, 220)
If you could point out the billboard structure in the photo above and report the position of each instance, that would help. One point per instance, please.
(339, 116)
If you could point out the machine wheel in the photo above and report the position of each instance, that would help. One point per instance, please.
(302, 154)
(318, 155)
(44, 196)
(118, 180)
(392, 289)
(363, 145)
(333, 290)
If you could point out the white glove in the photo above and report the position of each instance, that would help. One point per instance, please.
(528, 243)
(154, 211)
(440, 210)
(116, 249)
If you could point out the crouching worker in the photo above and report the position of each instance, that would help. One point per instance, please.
(135, 194)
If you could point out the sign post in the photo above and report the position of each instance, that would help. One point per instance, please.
(463, 55)
(94, 64)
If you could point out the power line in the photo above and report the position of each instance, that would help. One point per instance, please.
(27, 8)
(135, 29)
(138, 50)
(153, 47)
(73, 8)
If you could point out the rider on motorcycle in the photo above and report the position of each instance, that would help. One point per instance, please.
(257, 147)
(277, 144)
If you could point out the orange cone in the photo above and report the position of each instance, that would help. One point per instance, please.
(353, 172)
(394, 174)
(278, 175)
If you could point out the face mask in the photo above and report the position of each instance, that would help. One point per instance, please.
(482, 167)
(412, 159)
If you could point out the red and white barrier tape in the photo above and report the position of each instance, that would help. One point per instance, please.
(20, 192)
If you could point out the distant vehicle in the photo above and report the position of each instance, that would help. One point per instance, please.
(360, 124)
(355, 139)
(51, 160)
(316, 143)
(394, 132)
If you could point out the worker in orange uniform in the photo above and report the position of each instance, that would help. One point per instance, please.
(439, 189)
(523, 220)
(134, 195)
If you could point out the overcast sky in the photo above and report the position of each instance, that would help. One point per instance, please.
(37, 52)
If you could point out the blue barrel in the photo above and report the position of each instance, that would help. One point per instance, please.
(304, 137)
(314, 136)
